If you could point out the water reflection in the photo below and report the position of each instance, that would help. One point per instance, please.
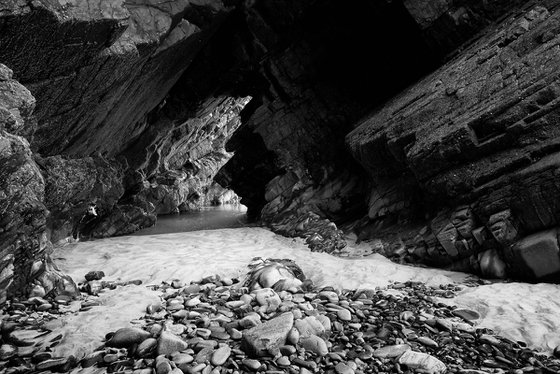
(209, 218)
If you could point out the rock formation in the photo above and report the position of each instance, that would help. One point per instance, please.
(427, 125)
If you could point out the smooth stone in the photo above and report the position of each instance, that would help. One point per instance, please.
(251, 364)
(203, 333)
(391, 351)
(267, 336)
(235, 304)
(344, 315)
(235, 334)
(127, 336)
(283, 361)
(288, 350)
(422, 362)
(330, 296)
(147, 347)
(485, 338)
(163, 366)
(204, 355)
(169, 343)
(182, 358)
(44, 307)
(342, 368)
(314, 344)
(466, 314)
(193, 302)
(220, 356)
(293, 336)
(427, 342)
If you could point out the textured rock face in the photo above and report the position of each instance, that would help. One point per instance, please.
(23, 233)
(478, 142)
(102, 73)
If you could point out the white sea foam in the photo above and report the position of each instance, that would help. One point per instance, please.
(518, 311)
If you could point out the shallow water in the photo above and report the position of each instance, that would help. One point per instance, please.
(518, 311)
(208, 218)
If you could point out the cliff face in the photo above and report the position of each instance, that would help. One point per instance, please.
(477, 142)
(428, 125)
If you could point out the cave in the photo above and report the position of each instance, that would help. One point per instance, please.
(382, 176)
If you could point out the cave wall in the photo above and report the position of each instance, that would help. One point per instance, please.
(138, 106)
(478, 142)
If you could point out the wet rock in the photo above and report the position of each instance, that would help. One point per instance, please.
(422, 362)
(92, 359)
(272, 334)
(342, 368)
(309, 326)
(391, 351)
(251, 364)
(314, 344)
(466, 314)
(147, 348)
(94, 275)
(127, 336)
(220, 356)
(169, 343)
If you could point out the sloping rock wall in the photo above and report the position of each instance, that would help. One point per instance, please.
(477, 141)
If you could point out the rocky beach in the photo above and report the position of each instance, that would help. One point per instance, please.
(166, 303)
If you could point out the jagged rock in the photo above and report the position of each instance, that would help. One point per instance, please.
(268, 336)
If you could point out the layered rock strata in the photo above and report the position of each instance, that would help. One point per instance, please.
(476, 142)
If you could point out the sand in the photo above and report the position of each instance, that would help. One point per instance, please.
(518, 311)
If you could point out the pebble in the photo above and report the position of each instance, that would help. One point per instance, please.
(342, 368)
(251, 364)
(283, 361)
(344, 315)
(391, 351)
(422, 362)
(427, 342)
(343, 332)
(466, 314)
(314, 344)
(220, 356)
(169, 343)
(127, 336)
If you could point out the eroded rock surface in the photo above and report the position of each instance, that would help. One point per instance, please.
(477, 143)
